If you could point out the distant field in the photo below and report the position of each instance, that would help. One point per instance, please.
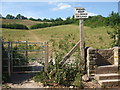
(94, 37)
(24, 22)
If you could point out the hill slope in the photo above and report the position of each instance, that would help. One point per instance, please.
(18, 21)
(94, 37)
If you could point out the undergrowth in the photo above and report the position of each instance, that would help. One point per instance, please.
(65, 75)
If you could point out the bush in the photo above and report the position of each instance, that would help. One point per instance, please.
(14, 26)
(44, 25)
(96, 21)
(62, 75)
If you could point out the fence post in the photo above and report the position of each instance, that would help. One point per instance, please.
(11, 57)
(46, 56)
(26, 55)
(1, 63)
(9, 66)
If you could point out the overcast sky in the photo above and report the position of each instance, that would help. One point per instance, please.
(57, 9)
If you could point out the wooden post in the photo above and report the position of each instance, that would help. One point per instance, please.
(82, 47)
(0, 63)
(46, 56)
(26, 55)
(11, 58)
(9, 66)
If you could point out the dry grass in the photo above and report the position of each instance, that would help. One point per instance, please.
(94, 37)
(24, 22)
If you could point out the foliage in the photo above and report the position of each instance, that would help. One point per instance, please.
(9, 16)
(34, 19)
(114, 22)
(96, 21)
(66, 74)
(92, 21)
(115, 35)
(56, 23)
(14, 26)
(113, 19)
(41, 76)
(19, 16)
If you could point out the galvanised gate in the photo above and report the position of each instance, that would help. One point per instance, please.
(24, 56)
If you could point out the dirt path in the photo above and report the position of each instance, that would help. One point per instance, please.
(33, 35)
(23, 81)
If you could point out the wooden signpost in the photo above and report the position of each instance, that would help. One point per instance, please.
(81, 14)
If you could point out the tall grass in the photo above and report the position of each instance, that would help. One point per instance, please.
(94, 37)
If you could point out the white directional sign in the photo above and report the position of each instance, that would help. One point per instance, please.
(80, 13)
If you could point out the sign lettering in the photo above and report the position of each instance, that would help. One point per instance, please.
(80, 13)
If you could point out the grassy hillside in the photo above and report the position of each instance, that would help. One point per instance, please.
(94, 37)
(18, 21)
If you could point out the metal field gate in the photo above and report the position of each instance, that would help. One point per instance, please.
(24, 56)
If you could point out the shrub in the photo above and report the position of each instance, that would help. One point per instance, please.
(14, 26)
(44, 25)
(62, 75)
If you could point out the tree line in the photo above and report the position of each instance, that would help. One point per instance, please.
(55, 23)
(19, 16)
(93, 21)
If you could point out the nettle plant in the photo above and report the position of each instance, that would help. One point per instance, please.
(69, 73)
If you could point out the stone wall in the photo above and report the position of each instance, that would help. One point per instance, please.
(100, 57)
(91, 58)
(105, 57)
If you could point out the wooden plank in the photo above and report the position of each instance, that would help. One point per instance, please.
(69, 53)
(66, 57)
(27, 72)
(28, 50)
(27, 65)
(24, 42)
(46, 56)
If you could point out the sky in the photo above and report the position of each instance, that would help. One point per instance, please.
(57, 9)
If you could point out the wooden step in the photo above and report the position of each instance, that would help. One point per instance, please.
(106, 69)
(110, 83)
(107, 76)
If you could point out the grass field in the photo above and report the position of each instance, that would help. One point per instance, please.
(94, 37)
(24, 22)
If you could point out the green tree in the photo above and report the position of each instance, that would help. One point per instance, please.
(94, 21)
(114, 19)
(59, 19)
(115, 35)
(10, 17)
(19, 16)
(32, 19)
